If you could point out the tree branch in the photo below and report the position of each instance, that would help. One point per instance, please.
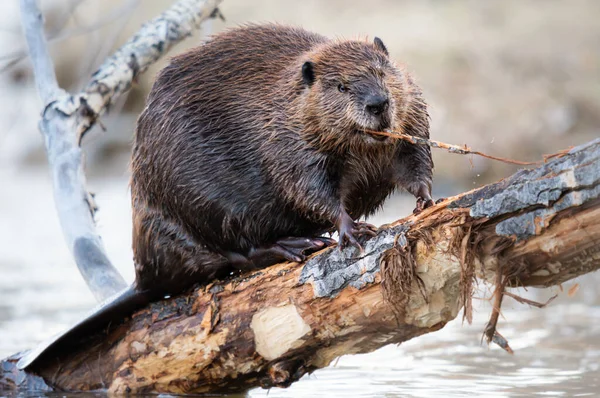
(150, 43)
(537, 228)
(67, 117)
(43, 67)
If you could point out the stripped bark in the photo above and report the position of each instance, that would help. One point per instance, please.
(67, 117)
(537, 228)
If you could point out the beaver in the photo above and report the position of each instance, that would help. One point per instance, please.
(254, 145)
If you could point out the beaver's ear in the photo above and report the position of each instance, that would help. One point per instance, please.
(308, 73)
(379, 44)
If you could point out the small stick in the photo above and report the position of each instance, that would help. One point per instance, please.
(523, 300)
(461, 150)
(490, 332)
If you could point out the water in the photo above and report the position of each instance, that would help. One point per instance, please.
(557, 349)
(557, 354)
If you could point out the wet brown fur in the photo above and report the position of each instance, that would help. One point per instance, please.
(235, 150)
(242, 146)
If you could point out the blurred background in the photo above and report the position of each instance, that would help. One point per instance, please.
(517, 78)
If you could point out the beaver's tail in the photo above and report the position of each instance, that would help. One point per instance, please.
(112, 309)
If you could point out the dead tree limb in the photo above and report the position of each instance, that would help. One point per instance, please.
(66, 118)
(537, 228)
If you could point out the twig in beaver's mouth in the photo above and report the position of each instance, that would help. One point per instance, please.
(461, 150)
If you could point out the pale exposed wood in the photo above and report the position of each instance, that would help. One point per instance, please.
(66, 117)
(272, 326)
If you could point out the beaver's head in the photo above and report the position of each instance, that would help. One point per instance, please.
(351, 87)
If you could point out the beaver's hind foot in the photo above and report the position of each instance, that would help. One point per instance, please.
(291, 249)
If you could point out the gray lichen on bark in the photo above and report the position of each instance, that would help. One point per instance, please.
(335, 269)
(565, 182)
(531, 223)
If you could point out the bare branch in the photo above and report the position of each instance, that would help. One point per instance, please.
(33, 27)
(66, 117)
(73, 203)
(115, 75)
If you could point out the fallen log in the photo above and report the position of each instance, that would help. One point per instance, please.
(268, 328)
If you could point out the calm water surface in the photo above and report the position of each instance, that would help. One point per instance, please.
(557, 349)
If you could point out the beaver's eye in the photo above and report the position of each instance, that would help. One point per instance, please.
(342, 88)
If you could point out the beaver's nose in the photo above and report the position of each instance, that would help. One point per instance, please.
(376, 104)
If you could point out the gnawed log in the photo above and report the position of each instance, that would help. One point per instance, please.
(537, 228)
